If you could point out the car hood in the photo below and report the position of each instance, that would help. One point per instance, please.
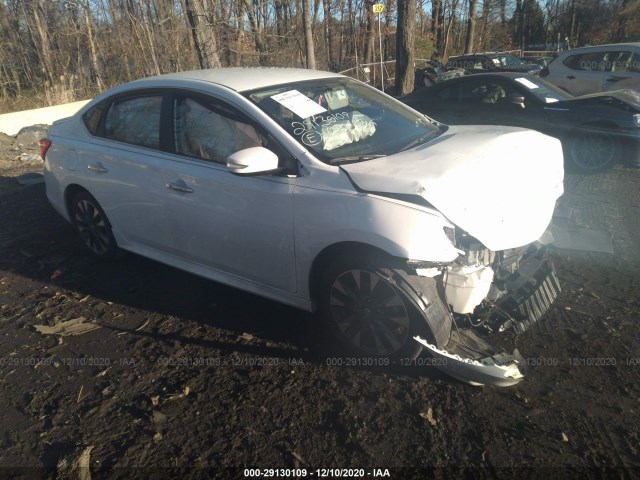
(627, 97)
(499, 184)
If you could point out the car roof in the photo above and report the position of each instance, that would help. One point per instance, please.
(596, 47)
(495, 75)
(481, 54)
(237, 78)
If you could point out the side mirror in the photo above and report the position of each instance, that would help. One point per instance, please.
(517, 100)
(252, 161)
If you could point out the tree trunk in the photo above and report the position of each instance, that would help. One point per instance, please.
(257, 32)
(452, 16)
(308, 35)
(404, 46)
(328, 32)
(486, 10)
(369, 44)
(471, 27)
(95, 65)
(203, 35)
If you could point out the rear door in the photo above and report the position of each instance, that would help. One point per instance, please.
(122, 165)
(622, 70)
(583, 74)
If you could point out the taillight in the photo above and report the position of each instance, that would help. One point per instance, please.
(544, 72)
(44, 144)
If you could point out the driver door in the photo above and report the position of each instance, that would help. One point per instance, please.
(240, 225)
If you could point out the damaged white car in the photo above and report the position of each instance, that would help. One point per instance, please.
(317, 191)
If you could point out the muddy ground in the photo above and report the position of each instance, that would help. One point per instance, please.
(186, 377)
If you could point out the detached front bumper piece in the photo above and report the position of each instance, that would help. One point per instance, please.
(526, 295)
(499, 369)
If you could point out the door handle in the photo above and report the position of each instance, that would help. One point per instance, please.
(615, 79)
(178, 188)
(98, 168)
(571, 77)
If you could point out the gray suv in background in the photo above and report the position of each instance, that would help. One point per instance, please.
(596, 69)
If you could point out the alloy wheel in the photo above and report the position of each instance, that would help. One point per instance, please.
(92, 227)
(369, 312)
(592, 152)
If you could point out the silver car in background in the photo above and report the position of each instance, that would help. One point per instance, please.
(596, 69)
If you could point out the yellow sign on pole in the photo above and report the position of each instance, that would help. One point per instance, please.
(378, 8)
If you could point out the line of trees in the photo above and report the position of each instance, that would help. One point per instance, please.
(55, 51)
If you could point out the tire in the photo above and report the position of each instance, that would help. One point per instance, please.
(93, 227)
(591, 152)
(367, 314)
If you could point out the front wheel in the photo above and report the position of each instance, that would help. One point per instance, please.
(366, 312)
(591, 152)
(92, 226)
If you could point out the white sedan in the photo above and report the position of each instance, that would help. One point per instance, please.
(315, 190)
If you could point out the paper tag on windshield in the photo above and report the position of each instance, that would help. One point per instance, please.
(527, 83)
(299, 104)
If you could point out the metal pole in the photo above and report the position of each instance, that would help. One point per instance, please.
(381, 65)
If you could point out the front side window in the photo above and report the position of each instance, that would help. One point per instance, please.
(211, 131)
(135, 121)
(341, 120)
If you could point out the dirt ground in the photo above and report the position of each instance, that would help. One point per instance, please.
(185, 377)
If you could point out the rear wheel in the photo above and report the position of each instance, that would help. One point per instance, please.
(591, 152)
(92, 226)
(366, 312)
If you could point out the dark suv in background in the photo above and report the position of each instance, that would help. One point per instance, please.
(492, 62)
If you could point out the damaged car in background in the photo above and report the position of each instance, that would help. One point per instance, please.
(317, 191)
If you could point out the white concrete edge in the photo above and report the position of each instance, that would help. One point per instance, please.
(11, 123)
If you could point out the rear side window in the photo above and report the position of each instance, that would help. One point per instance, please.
(135, 121)
(590, 62)
(623, 61)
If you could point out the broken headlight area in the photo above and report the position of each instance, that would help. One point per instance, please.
(484, 295)
(522, 289)
(499, 291)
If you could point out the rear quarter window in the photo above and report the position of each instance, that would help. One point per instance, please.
(92, 117)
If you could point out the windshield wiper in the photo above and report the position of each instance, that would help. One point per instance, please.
(354, 159)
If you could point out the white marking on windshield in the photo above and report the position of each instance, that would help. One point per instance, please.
(298, 103)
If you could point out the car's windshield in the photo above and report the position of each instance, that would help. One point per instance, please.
(341, 120)
(510, 61)
(544, 91)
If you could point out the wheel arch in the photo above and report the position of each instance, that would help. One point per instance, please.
(324, 258)
(609, 126)
(69, 193)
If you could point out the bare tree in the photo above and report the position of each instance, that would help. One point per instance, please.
(471, 27)
(404, 46)
(203, 34)
(257, 32)
(308, 35)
